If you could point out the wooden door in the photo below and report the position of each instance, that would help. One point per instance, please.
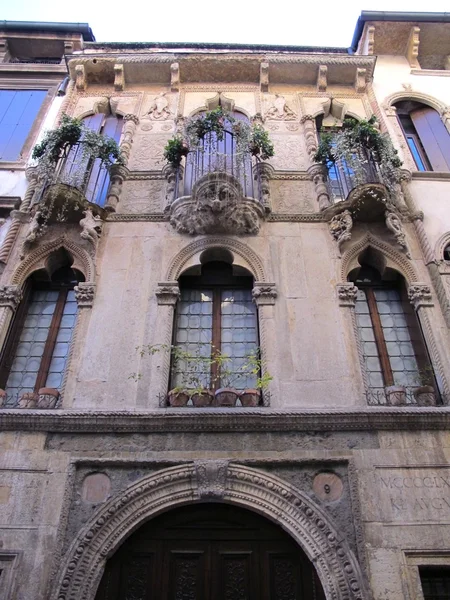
(209, 552)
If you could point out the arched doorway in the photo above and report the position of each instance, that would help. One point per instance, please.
(210, 552)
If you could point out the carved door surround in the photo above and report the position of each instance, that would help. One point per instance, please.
(82, 567)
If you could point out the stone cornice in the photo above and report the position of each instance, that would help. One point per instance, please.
(230, 420)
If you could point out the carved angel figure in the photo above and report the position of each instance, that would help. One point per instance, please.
(91, 227)
(159, 109)
(279, 110)
(341, 227)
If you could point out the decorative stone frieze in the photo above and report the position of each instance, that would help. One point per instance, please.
(341, 228)
(211, 478)
(84, 294)
(217, 205)
(347, 294)
(419, 295)
(10, 295)
(167, 293)
(264, 293)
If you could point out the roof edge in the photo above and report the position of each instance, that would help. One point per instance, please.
(82, 28)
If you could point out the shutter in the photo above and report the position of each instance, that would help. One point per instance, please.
(434, 137)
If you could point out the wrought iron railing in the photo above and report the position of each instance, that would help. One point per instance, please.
(343, 177)
(379, 397)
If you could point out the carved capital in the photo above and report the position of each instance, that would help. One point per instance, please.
(264, 294)
(391, 111)
(31, 174)
(167, 292)
(211, 476)
(84, 294)
(419, 294)
(10, 295)
(347, 294)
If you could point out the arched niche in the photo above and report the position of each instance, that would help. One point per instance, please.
(82, 567)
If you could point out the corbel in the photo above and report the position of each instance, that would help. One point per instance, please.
(68, 47)
(322, 78)
(412, 49)
(175, 77)
(370, 39)
(447, 63)
(264, 76)
(80, 78)
(3, 49)
(360, 81)
(119, 78)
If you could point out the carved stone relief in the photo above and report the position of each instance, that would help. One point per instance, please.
(157, 108)
(341, 228)
(142, 197)
(147, 152)
(293, 196)
(290, 153)
(278, 109)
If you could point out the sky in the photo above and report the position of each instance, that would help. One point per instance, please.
(284, 22)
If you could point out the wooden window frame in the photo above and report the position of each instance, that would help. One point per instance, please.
(13, 338)
(216, 333)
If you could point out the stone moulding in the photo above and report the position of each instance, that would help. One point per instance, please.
(82, 567)
(231, 419)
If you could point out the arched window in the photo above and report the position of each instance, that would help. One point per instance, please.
(446, 253)
(37, 346)
(94, 177)
(215, 315)
(393, 349)
(426, 134)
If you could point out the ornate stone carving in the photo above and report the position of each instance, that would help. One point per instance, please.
(264, 173)
(360, 81)
(289, 153)
(370, 39)
(10, 295)
(419, 294)
(174, 178)
(130, 123)
(279, 110)
(264, 76)
(394, 224)
(322, 78)
(84, 294)
(309, 125)
(32, 234)
(91, 226)
(217, 205)
(80, 78)
(119, 78)
(347, 294)
(159, 109)
(264, 293)
(412, 49)
(118, 174)
(317, 172)
(341, 228)
(167, 292)
(211, 478)
(175, 77)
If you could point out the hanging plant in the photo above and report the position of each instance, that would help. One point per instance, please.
(345, 144)
(248, 138)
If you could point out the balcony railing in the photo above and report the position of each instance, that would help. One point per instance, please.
(342, 177)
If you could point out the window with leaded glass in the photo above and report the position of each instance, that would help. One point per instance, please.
(392, 344)
(215, 316)
(36, 351)
(435, 582)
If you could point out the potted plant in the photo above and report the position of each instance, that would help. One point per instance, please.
(395, 395)
(174, 151)
(425, 395)
(260, 144)
(177, 397)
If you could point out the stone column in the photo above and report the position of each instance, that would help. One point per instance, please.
(118, 174)
(19, 216)
(131, 121)
(174, 178)
(263, 175)
(10, 297)
(264, 296)
(316, 171)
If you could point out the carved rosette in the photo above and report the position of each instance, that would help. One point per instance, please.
(419, 294)
(211, 478)
(217, 205)
(167, 293)
(347, 294)
(264, 294)
(84, 294)
(10, 295)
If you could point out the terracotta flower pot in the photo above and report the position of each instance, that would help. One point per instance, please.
(226, 397)
(396, 395)
(178, 398)
(250, 397)
(48, 397)
(28, 400)
(204, 398)
(3, 398)
(425, 395)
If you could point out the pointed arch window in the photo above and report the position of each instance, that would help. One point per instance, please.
(426, 135)
(94, 176)
(393, 349)
(37, 346)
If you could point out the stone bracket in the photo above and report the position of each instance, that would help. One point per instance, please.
(175, 77)
(119, 78)
(167, 293)
(360, 81)
(322, 78)
(412, 48)
(80, 78)
(264, 76)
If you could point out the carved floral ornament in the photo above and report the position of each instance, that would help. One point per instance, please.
(10, 295)
(419, 295)
(264, 293)
(81, 569)
(84, 294)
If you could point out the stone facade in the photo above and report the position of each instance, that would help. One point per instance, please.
(361, 486)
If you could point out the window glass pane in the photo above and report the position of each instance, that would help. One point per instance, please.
(18, 110)
(416, 154)
(62, 345)
(369, 348)
(435, 583)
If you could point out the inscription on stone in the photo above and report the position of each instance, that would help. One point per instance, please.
(414, 494)
(96, 488)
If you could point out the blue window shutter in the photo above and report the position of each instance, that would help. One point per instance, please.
(18, 111)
